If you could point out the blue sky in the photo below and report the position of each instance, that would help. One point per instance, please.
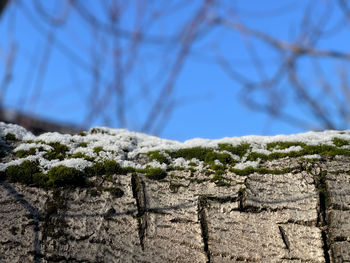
(209, 100)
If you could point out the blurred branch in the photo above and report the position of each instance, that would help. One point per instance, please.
(42, 69)
(161, 105)
(123, 33)
(295, 48)
(3, 4)
(58, 20)
(8, 71)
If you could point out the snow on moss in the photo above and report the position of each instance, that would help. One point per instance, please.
(125, 147)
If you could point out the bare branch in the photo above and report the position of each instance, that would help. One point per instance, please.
(3, 4)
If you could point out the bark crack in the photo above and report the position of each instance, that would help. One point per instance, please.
(138, 190)
(320, 183)
(202, 216)
(284, 237)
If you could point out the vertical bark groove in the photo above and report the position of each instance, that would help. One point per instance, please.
(202, 204)
(138, 189)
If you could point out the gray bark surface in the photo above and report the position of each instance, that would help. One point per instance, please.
(302, 215)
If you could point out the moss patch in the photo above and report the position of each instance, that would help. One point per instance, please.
(83, 144)
(82, 156)
(59, 151)
(155, 173)
(10, 137)
(31, 151)
(283, 145)
(107, 168)
(65, 176)
(321, 149)
(220, 180)
(22, 173)
(157, 156)
(207, 155)
(82, 133)
(340, 142)
(98, 149)
(239, 150)
(249, 170)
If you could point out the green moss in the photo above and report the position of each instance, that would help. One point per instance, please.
(207, 155)
(217, 167)
(243, 172)
(107, 168)
(65, 176)
(26, 153)
(40, 180)
(59, 151)
(82, 133)
(96, 170)
(155, 173)
(223, 158)
(82, 156)
(175, 168)
(10, 137)
(83, 144)
(239, 150)
(112, 167)
(115, 191)
(249, 170)
(283, 145)
(157, 156)
(98, 149)
(189, 153)
(128, 169)
(22, 173)
(321, 149)
(340, 142)
(29, 173)
(220, 180)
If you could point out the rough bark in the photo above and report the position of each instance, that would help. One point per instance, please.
(302, 215)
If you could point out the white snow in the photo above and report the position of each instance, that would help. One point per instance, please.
(242, 165)
(20, 132)
(79, 164)
(124, 146)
